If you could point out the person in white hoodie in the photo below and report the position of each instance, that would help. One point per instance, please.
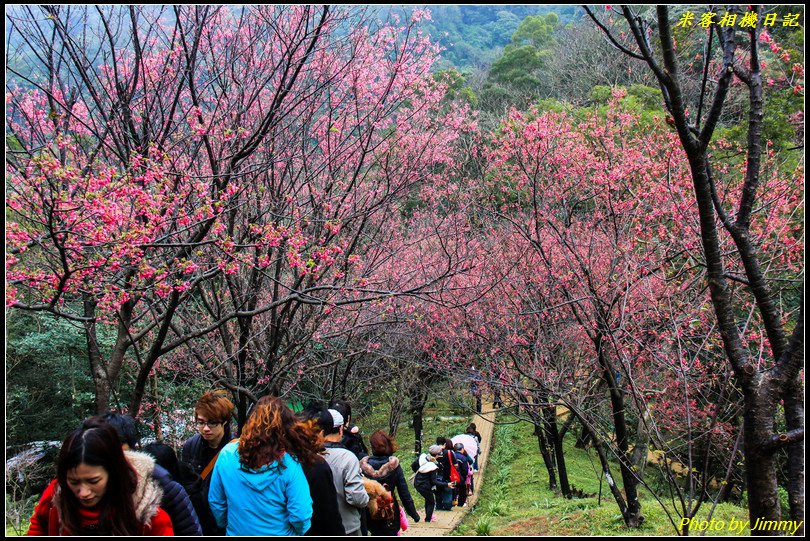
(427, 479)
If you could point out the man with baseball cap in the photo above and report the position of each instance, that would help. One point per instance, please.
(351, 493)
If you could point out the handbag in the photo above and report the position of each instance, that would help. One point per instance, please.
(455, 477)
(403, 520)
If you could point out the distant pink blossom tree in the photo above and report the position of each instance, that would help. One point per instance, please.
(211, 180)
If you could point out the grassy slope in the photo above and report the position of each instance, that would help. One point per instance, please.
(516, 500)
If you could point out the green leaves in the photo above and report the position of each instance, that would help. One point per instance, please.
(536, 30)
(49, 387)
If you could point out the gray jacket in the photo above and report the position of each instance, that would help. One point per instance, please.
(351, 493)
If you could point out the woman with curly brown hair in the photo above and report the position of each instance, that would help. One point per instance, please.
(258, 486)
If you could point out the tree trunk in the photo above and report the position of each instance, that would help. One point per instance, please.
(158, 426)
(632, 517)
(794, 417)
(418, 400)
(760, 471)
(567, 425)
(584, 438)
(394, 417)
(638, 459)
(725, 491)
(148, 361)
(550, 416)
(603, 460)
(98, 371)
(241, 413)
(548, 459)
(761, 388)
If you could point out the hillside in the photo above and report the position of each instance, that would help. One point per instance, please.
(473, 35)
(516, 500)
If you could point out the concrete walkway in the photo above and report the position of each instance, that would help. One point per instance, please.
(445, 521)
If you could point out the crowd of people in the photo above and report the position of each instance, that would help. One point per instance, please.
(308, 473)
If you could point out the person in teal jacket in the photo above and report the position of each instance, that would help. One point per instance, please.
(258, 486)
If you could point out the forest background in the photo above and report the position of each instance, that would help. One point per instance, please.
(321, 203)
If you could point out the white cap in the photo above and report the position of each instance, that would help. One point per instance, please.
(337, 418)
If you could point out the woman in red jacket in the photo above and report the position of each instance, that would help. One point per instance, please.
(97, 491)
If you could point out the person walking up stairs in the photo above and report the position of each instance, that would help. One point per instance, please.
(444, 522)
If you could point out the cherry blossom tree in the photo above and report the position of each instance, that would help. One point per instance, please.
(213, 180)
(771, 384)
(597, 303)
(580, 195)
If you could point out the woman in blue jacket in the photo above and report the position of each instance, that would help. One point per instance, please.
(258, 486)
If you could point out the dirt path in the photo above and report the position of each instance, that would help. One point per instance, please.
(445, 521)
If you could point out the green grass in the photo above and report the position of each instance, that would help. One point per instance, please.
(516, 499)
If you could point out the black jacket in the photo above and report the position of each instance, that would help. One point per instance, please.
(198, 494)
(443, 460)
(325, 513)
(197, 454)
(424, 482)
(386, 471)
(177, 504)
(463, 466)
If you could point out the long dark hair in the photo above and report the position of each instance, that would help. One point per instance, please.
(96, 443)
(345, 410)
(164, 456)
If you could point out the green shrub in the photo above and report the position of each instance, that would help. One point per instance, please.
(483, 527)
